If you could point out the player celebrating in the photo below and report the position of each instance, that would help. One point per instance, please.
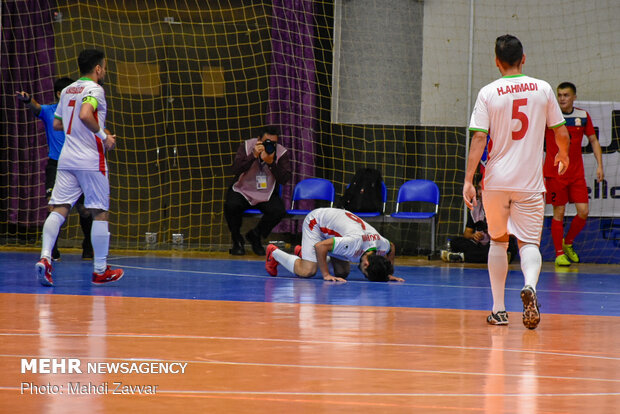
(570, 187)
(343, 237)
(82, 167)
(514, 111)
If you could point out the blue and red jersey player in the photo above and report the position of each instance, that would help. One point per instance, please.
(571, 186)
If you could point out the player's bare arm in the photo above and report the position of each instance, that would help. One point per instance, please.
(87, 116)
(57, 124)
(392, 253)
(390, 256)
(598, 154)
(476, 149)
(322, 248)
(562, 140)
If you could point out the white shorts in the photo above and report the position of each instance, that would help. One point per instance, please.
(70, 184)
(513, 212)
(309, 238)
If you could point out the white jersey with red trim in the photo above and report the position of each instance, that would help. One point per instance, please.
(352, 235)
(82, 149)
(514, 111)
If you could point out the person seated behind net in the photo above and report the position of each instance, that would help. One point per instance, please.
(344, 238)
(473, 246)
(260, 165)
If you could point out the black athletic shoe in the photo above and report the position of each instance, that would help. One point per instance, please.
(499, 318)
(254, 238)
(531, 313)
(237, 249)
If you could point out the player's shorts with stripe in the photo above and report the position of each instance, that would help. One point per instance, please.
(514, 212)
(309, 238)
(70, 184)
(561, 190)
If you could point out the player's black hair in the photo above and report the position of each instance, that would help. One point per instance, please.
(269, 130)
(379, 268)
(88, 59)
(509, 50)
(61, 84)
(568, 85)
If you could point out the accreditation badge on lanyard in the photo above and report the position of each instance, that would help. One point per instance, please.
(261, 179)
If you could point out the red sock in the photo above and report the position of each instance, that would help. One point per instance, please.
(575, 228)
(557, 233)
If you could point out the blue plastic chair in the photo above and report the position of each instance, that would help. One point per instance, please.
(422, 191)
(371, 214)
(312, 189)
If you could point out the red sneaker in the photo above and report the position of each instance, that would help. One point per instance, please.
(297, 251)
(43, 270)
(270, 263)
(110, 275)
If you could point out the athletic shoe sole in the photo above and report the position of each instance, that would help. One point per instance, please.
(531, 314)
(42, 274)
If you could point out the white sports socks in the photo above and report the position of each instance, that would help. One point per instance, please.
(285, 259)
(531, 263)
(100, 238)
(498, 269)
(50, 233)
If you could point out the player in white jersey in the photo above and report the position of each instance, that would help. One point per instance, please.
(514, 112)
(82, 167)
(343, 237)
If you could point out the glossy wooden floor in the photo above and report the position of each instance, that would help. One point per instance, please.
(265, 357)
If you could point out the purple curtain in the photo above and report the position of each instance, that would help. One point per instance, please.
(292, 87)
(27, 62)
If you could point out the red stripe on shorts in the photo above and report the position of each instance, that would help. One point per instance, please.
(100, 148)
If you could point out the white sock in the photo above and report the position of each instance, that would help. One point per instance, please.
(285, 259)
(498, 269)
(100, 238)
(531, 262)
(51, 228)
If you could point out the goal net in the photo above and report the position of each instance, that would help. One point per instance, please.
(349, 84)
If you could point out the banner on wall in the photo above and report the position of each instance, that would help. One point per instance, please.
(605, 195)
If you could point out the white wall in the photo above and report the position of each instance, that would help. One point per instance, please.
(571, 40)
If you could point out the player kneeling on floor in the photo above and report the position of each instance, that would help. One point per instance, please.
(342, 237)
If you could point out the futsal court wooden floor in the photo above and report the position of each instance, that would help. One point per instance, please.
(256, 344)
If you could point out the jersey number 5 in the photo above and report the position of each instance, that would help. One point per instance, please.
(516, 114)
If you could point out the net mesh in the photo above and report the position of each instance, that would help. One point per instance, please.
(188, 81)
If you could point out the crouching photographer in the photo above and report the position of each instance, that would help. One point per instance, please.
(261, 164)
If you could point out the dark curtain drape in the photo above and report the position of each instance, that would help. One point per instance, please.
(292, 85)
(27, 62)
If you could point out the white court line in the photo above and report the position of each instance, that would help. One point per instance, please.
(315, 342)
(203, 272)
